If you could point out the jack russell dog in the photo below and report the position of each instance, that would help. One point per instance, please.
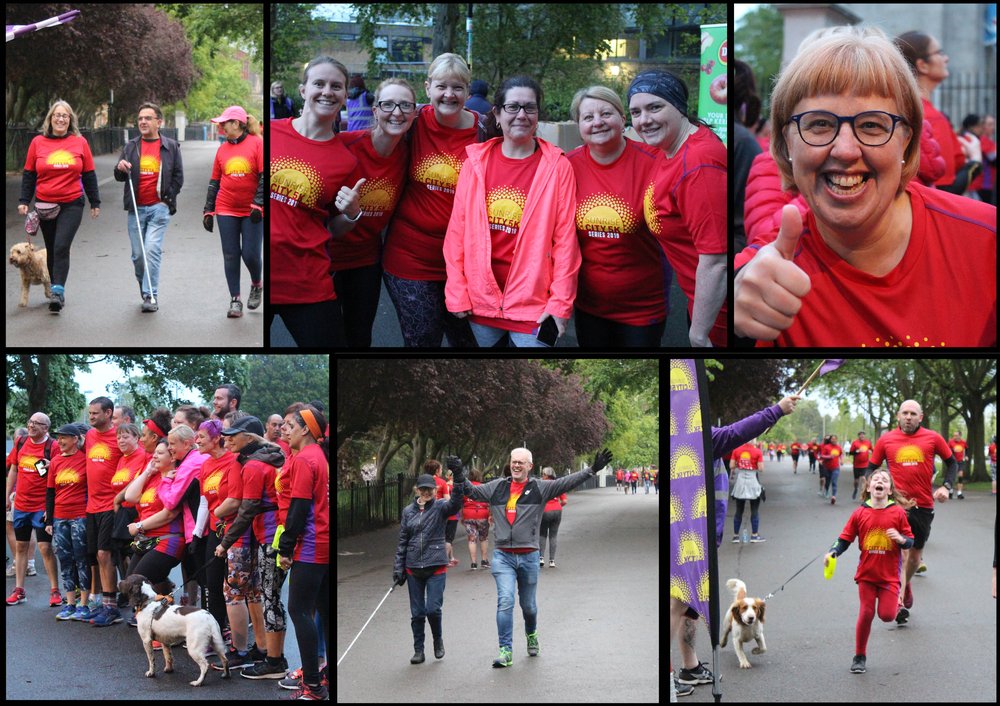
(169, 624)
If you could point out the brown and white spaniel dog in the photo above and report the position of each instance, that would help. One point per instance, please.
(745, 618)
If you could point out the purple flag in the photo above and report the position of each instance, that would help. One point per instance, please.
(692, 546)
(14, 31)
(829, 365)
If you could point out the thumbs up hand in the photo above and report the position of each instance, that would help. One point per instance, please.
(768, 291)
(348, 201)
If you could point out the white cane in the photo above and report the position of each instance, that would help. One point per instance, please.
(142, 240)
(365, 625)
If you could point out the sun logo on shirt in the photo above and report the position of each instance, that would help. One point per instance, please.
(237, 167)
(295, 181)
(877, 540)
(378, 197)
(67, 476)
(149, 164)
(649, 210)
(505, 206)
(60, 159)
(148, 496)
(121, 477)
(99, 453)
(605, 216)
(909, 455)
(440, 170)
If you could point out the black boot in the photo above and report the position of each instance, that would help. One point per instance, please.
(417, 624)
(435, 622)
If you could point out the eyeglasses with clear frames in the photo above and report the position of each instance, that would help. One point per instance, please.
(873, 128)
(390, 106)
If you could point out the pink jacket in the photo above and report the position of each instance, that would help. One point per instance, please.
(546, 256)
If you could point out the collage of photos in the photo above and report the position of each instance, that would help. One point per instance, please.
(638, 176)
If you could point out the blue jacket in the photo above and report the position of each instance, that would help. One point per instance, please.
(421, 532)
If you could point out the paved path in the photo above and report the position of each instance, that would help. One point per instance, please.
(947, 652)
(598, 617)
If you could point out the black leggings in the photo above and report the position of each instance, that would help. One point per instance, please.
(58, 235)
(309, 592)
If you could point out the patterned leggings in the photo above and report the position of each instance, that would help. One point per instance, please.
(422, 316)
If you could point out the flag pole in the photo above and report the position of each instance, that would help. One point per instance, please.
(811, 377)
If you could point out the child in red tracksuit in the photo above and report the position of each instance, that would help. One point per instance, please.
(882, 529)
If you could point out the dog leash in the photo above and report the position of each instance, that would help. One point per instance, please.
(789, 580)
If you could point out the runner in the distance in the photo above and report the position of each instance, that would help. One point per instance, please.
(910, 451)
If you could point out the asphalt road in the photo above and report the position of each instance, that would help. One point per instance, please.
(947, 651)
(598, 617)
(49, 658)
(102, 295)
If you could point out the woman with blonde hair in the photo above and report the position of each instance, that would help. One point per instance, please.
(878, 247)
(621, 299)
(414, 245)
(59, 168)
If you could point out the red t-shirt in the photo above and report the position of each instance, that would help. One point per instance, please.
(68, 477)
(238, 168)
(958, 447)
(508, 182)
(621, 276)
(58, 162)
(102, 462)
(685, 209)
(311, 480)
(414, 244)
(30, 490)
(385, 178)
(149, 171)
(834, 452)
(150, 504)
(515, 492)
(214, 482)
(128, 468)
(952, 249)
(861, 450)
(305, 178)
(880, 556)
(747, 457)
(911, 461)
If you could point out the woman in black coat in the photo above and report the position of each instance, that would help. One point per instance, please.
(421, 556)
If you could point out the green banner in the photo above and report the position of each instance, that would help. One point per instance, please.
(714, 63)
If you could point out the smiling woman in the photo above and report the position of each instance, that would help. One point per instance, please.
(877, 245)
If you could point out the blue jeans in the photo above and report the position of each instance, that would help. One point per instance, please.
(426, 599)
(489, 336)
(154, 221)
(510, 569)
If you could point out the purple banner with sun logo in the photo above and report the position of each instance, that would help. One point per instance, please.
(692, 545)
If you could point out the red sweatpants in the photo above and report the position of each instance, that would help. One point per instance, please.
(888, 599)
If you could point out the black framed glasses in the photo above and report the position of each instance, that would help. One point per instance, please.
(390, 106)
(872, 128)
(515, 108)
